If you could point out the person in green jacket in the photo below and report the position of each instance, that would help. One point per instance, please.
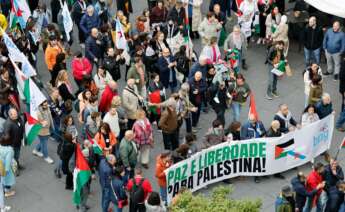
(129, 153)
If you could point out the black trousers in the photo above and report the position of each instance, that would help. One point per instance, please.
(137, 207)
(170, 140)
(68, 173)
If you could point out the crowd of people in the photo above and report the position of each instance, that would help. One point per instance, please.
(168, 87)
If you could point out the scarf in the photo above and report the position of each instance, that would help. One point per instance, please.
(286, 119)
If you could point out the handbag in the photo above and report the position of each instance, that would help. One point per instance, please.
(179, 75)
(2, 169)
(288, 70)
(120, 203)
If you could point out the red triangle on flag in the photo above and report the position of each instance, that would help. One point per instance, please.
(278, 151)
(81, 162)
(31, 120)
(252, 106)
(89, 138)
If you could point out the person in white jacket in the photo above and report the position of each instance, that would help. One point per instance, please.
(102, 78)
(209, 28)
(308, 75)
(248, 9)
(112, 118)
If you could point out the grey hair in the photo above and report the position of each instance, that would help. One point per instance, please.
(90, 7)
(326, 95)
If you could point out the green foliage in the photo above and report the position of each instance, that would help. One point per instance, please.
(219, 201)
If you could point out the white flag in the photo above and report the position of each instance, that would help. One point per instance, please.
(121, 42)
(33, 97)
(67, 20)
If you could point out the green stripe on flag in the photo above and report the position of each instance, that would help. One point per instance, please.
(81, 178)
(31, 136)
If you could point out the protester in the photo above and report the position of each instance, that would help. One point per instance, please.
(324, 107)
(309, 116)
(285, 201)
(6, 156)
(253, 128)
(214, 135)
(163, 162)
(312, 39)
(332, 175)
(168, 124)
(312, 71)
(286, 121)
(105, 170)
(129, 152)
(209, 28)
(106, 139)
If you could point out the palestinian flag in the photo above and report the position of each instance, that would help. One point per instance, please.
(280, 70)
(32, 128)
(252, 107)
(20, 12)
(342, 145)
(81, 175)
(155, 97)
(33, 98)
(236, 6)
(281, 150)
(233, 56)
(96, 148)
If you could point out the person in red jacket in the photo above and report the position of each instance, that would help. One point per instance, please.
(163, 162)
(313, 180)
(81, 67)
(145, 184)
(107, 96)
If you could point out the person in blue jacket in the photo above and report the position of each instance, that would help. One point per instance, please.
(89, 20)
(166, 65)
(299, 187)
(253, 128)
(117, 189)
(105, 171)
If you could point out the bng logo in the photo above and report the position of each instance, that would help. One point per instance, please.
(322, 136)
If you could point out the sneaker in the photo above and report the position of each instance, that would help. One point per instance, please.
(259, 41)
(336, 77)
(82, 46)
(49, 160)
(37, 153)
(10, 193)
(279, 176)
(275, 94)
(6, 208)
(194, 130)
(326, 73)
(268, 97)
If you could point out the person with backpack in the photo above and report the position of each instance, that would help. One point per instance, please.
(139, 189)
(118, 194)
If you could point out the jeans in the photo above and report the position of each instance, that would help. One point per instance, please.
(16, 150)
(221, 115)
(320, 204)
(133, 207)
(236, 110)
(342, 207)
(2, 201)
(42, 146)
(311, 56)
(163, 193)
(170, 141)
(105, 199)
(272, 81)
(341, 120)
(188, 125)
(333, 62)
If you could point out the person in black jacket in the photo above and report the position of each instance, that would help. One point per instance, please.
(67, 150)
(125, 6)
(183, 62)
(312, 38)
(286, 121)
(177, 14)
(299, 186)
(112, 62)
(60, 64)
(332, 175)
(219, 96)
(33, 40)
(14, 128)
(341, 120)
(93, 47)
(78, 11)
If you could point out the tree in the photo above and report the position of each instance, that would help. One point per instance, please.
(220, 201)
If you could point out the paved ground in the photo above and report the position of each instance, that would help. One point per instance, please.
(38, 190)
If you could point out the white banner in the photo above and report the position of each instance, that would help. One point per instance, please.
(333, 7)
(254, 157)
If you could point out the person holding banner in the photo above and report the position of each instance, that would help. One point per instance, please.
(287, 122)
(163, 162)
(324, 107)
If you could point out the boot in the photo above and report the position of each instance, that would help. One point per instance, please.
(244, 65)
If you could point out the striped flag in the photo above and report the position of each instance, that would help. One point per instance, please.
(252, 107)
(20, 13)
(96, 148)
(67, 20)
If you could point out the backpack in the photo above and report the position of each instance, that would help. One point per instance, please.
(137, 194)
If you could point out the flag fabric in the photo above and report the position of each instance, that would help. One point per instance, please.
(17, 56)
(20, 77)
(333, 7)
(236, 5)
(342, 145)
(252, 107)
(32, 128)
(33, 98)
(81, 175)
(96, 148)
(20, 13)
(120, 41)
(67, 20)
(155, 97)
(233, 56)
(280, 70)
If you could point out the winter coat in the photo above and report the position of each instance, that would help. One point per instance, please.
(315, 93)
(105, 172)
(78, 11)
(182, 63)
(208, 29)
(50, 55)
(164, 71)
(271, 23)
(230, 44)
(330, 179)
(80, 68)
(45, 115)
(301, 192)
(312, 37)
(197, 67)
(213, 137)
(67, 150)
(159, 173)
(117, 187)
(158, 15)
(15, 130)
(285, 121)
(133, 74)
(64, 92)
(106, 98)
(249, 131)
(323, 110)
(88, 22)
(128, 153)
(308, 119)
(168, 121)
(130, 101)
(334, 42)
(92, 49)
(313, 180)
(196, 99)
(307, 80)
(113, 66)
(177, 16)
(196, 14)
(220, 95)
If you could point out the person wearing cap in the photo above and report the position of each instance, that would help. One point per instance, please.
(299, 186)
(163, 162)
(314, 178)
(51, 52)
(285, 201)
(169, 126)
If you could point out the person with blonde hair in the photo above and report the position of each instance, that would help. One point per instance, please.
(143, 137)
(64, 86)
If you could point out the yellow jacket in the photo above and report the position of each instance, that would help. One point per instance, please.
(3, 22)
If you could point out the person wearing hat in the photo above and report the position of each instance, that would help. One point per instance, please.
(299, 186)
(285, 201)
(163, 162)
(169, 126)
(53, 49)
